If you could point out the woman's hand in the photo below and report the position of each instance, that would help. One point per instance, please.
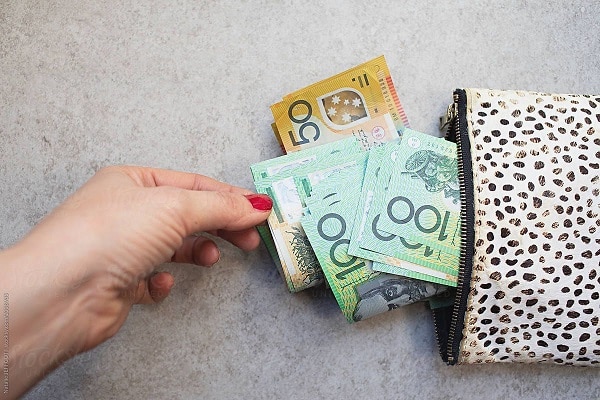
(73, 279)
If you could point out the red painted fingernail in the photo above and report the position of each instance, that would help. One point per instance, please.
(260, 202)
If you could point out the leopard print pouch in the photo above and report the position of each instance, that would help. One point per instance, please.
(529, 280)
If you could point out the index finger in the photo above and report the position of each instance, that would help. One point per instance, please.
(150, 177)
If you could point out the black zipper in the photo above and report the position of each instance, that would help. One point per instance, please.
(449, 321)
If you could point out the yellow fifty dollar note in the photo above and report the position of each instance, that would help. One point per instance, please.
(361, 102)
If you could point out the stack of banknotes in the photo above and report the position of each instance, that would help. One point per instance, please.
(362, 203)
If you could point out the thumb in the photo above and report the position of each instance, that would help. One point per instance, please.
(213, 210)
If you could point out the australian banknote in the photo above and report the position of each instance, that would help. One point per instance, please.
(422, 202)
(360, 291)
(393, 253)
(361, 101)
(278, 178)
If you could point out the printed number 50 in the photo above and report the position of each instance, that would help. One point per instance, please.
(305, 123)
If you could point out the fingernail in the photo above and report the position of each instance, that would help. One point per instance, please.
(260, 202)
(218, 259)
(154, 279)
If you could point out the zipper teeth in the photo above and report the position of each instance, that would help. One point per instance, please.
(436, 327)
(463, 246)
(447, 124)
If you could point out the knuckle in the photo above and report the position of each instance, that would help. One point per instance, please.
(109, 169)
(228, 202)
(230, 206)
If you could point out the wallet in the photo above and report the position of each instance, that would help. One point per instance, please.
(529, 274)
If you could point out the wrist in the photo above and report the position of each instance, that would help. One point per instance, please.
(48, 317)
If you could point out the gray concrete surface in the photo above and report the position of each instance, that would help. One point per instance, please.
(187, 85)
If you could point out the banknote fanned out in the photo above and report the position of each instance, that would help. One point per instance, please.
(423, 202)
(360, 201)
(393, 253)
(361, 102)
(419, 173)
(360, 291)
(295, 258)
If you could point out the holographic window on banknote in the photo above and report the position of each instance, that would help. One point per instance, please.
(343, 108)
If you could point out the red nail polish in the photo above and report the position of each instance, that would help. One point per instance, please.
(260, 201)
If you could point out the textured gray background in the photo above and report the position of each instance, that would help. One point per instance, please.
(187, 84)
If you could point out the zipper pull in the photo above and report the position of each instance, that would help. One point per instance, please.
(447, 118)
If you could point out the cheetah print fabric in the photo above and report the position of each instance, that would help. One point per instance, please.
(535, 284)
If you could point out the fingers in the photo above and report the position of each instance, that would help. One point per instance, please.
(184, 180)
(154, 289)
(203, 251)
(247, 239)
(197, 250)
(224, 201)
(204, 211)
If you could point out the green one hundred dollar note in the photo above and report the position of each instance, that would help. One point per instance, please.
(287, 242)
(360, 291)
(291, 162)
(422, 203)
(393, 253)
